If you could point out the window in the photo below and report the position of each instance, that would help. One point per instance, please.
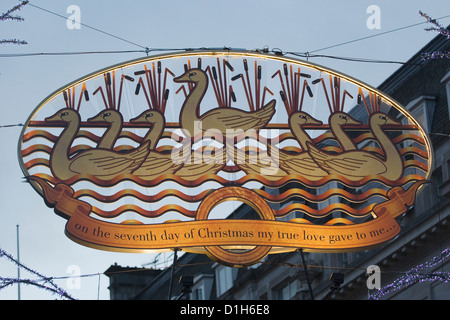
(288, 291)
(224, 279)
(203, 283)
(422, 109)
(198, 294)
(445, 168)
(444, 181)
(446, 81)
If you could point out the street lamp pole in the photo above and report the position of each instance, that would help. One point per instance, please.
(18, 267)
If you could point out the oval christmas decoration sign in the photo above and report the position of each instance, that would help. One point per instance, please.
(140, 157)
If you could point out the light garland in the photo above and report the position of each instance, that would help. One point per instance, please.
(437, 27)
(436, 55)
(443, 31)
(416, 275)
(51, 287)
(5, 282)
(413, 276)
(7, 16)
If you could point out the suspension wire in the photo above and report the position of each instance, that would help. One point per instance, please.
(352, 59)
(147, 50)
(88, 26)
(375, 35)
(68, 53)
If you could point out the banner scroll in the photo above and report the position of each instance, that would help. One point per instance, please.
(195, 235)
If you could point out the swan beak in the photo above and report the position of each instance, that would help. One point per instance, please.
(392, 121)
(183, 78)
(351, 121)
(314, 122)
(95, 118)
(138, 119)
(141, 119)
(55, 117)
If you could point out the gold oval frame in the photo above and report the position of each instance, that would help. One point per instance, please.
(216, 197)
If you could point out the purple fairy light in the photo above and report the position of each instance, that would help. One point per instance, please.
(51, 287)
(416, 275)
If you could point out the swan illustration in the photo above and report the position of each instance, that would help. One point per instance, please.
(115, 120)
(157, 122)
(223, 120)
(337, 120)
(301, 163)
(296, 122)
(101, 163)
(357, 164)
(158, 163)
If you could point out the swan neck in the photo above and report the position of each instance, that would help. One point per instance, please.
(59, 160)
(386, 144)
(110, 136)
(154, 134)
(190, 112)
(301, 136)
(343, 139)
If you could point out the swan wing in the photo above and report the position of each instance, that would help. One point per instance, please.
(231, 118)
(259, 163)
(196, 170)
(256, 119)
(156, 164)
(350, 164)
(103, 162)
(297, 163)
(304, 163)
(181, 155)
(201, 163)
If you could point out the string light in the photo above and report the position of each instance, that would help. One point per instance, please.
(416, 275)
(436, 55)
(413, 276)
(13, 41)
(5, 282)
(7, 16)
(437, 27)
(47, 284)
(443, 31)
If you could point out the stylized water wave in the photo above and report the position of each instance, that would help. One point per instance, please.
(302, 193)
(225, 182)
(320, 213)
(140, 196)
(143, 212)
(291, 193)
(411, 147)
(316, 213)
(334, 221)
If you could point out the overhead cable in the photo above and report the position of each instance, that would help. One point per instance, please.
(88, 26)
(374, 35)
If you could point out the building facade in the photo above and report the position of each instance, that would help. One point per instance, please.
(413, 266)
